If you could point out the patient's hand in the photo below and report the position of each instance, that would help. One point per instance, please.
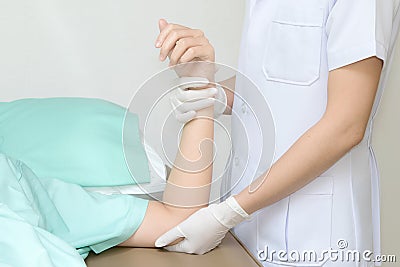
(188, 49)
(182, 44)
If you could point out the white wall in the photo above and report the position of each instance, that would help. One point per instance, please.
(99, 48)
(386, 142)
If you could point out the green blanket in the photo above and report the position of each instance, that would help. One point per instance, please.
(47, 222)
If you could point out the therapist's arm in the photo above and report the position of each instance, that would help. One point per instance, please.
(229, 89)
(188, 186)
(351, 94)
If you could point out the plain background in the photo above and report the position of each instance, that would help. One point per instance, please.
(105, 49)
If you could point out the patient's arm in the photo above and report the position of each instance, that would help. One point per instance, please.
(186, 186)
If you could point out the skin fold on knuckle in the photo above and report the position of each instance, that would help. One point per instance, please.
(181, 43)
(170, 27)
(190, 53)
(174, 35)
(199, 33)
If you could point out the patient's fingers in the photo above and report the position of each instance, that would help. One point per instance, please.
(182, 45)
(173, 37)
(165, 29)
(204, 52)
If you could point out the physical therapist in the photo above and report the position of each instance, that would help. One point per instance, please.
(321, 65)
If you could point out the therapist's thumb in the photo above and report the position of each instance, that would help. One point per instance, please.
(169, 237)
(162, 23)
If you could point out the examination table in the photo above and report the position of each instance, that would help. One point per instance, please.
(230, 253)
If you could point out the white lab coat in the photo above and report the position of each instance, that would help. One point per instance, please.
(288, 48)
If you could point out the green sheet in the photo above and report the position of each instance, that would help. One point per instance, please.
(46, 222)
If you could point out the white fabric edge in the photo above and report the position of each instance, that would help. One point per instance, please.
(158, 176)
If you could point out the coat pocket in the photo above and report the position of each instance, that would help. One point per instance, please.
(309, 221)
(293, 51)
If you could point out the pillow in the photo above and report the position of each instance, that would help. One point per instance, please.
(77, 140)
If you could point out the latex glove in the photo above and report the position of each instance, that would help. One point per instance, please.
(186, 102)
(205, 229)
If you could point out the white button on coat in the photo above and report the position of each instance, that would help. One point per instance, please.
(288, 49)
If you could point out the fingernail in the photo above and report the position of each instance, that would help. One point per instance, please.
(158, 44)
(161, 57)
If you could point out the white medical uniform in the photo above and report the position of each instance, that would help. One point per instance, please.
(288, 48)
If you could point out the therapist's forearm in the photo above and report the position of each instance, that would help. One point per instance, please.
(351, 93)
(317, 150)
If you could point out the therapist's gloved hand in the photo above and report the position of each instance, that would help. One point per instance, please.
(187, 102)
(205, 229)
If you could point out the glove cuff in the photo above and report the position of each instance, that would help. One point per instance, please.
(221, 101)
(229, 213)
(234, 205)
